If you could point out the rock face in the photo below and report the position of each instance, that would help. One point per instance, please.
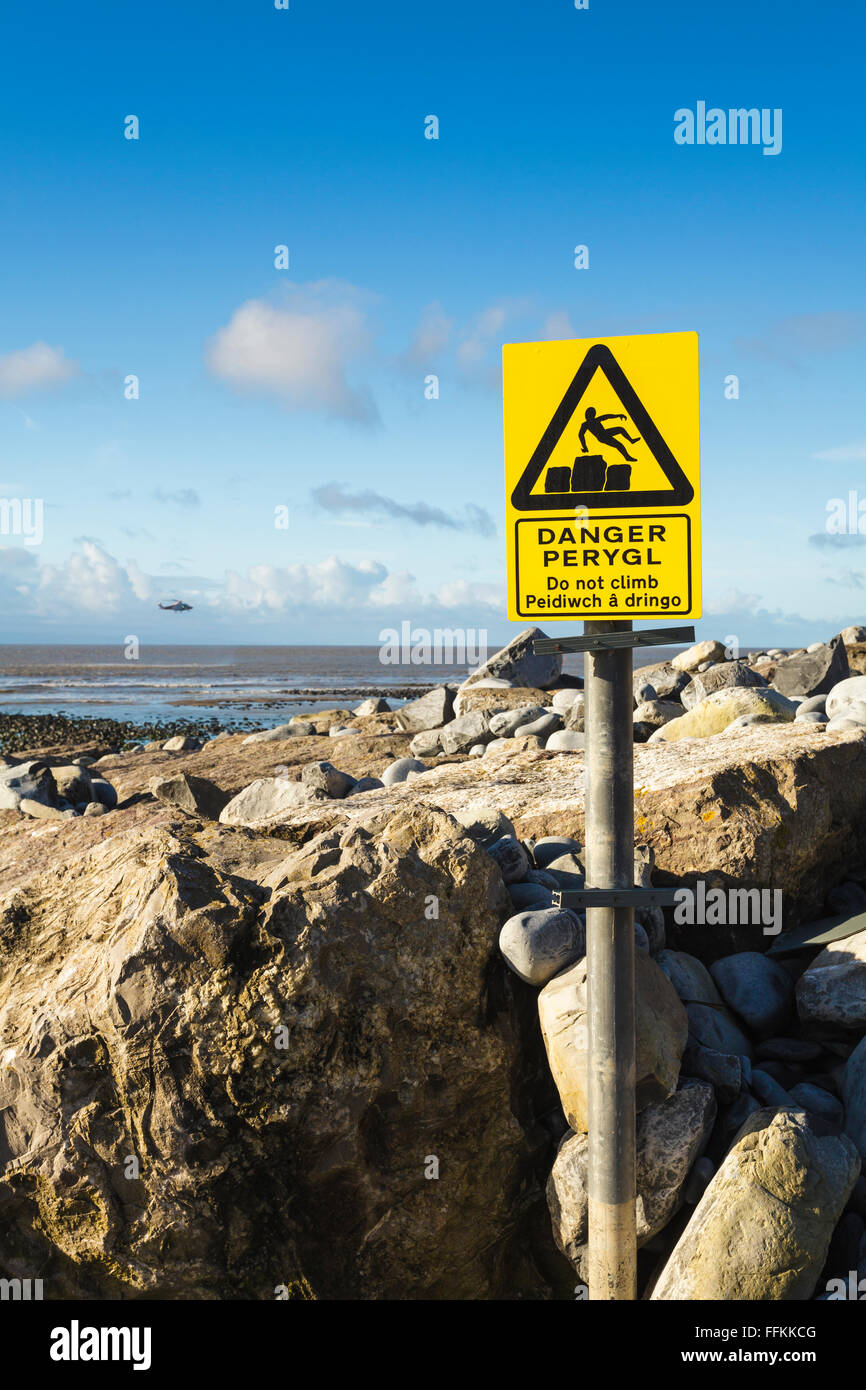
(660, 1029)
(721, 708)
(832, 990)
(812, 672)
(670, 1135)
(286, 1043)
(763, 1226)
(518, 664)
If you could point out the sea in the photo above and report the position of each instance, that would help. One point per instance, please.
(230, 684)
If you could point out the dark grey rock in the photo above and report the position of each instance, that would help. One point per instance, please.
(105, 793)
(429, 711)
(518, 663)
(324, 777)
(550, 847)
(527, 896)
(812, 673)
(722, 676)
(539, 943)
(756, 987)
(767, 1089)
(818, 1102)
(512, 858)
(723, 1070)
(789, 1049)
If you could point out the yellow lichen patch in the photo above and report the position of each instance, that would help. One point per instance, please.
(708, 815)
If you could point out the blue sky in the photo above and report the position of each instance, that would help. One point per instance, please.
(304, 388)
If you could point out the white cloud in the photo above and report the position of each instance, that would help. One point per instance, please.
(300, 351)
(34, 368)
(733, 600)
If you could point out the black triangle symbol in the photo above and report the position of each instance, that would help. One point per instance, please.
(681, 491)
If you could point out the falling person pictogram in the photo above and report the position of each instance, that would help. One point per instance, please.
(593, 425)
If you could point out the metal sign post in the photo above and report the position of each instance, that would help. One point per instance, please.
(610, 970)
(610, 899)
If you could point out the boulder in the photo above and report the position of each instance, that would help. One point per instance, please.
(463, 732)
(667, 680)
(324, 777)
(286, 1043)
(565, 741)
(181, 743)
(429, 711)
(551, 847)
(723, 1070)
(30, 779)
(563, 700)
(545, 725)
(398, 771)
(103, 792)
(512, 858)
(723, 676)
(656, 713)
(484, 822)
(426, 744)
(710, 1022)
(721, 708)
(846, 694)
(40, 810)
(279, 733)
(670, 1135)
(267, 796)
(496, 699)
(763, 1226)
(197, 796)
(852, 635)
(575, 718)
(758, 990)
(73, 783)
(508, 721)
(375, 705)
(366, 784)
(812, 672)
(660, 1032)
(832, 989)
(695, 656)
(518, 664)
(536, 944)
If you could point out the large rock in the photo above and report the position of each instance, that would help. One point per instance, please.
(812, 672)
(832, 989)
(430, 711)
(721, 708)
(670, 1135)
(266, 797)
(768, 807)
(667, 680)
(279, 733)
(506, 723)
(847, 694)
(197, 796)
(537, 944)
(695, 656)
(710, 1022)
(723, 676)
(759, 991)
(518, 663)
(660, 1032)
(496, 699)
(468, 729)
(73, 783)
(31, 779)
(851, 636)
(291, 1048)
(324, 777)
(763, 1226)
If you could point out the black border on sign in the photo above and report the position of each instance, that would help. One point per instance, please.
(599, 356)
(565, 520)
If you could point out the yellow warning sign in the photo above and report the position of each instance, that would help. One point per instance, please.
(602, 485)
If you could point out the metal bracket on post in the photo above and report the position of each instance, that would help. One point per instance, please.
(609, 906)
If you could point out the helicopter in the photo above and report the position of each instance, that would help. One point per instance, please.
(175, 607)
